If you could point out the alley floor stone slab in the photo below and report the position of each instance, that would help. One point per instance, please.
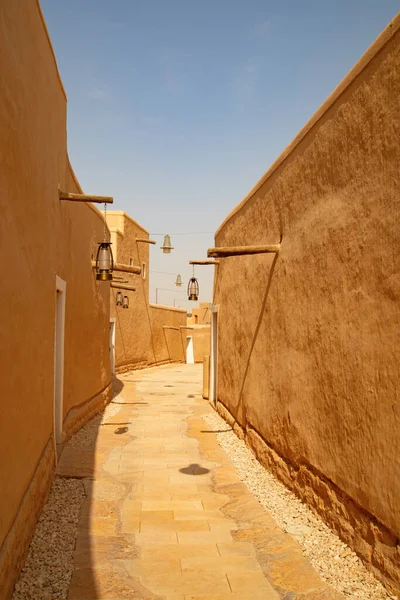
(166, 516)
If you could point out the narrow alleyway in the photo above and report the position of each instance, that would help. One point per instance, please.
(166, 515)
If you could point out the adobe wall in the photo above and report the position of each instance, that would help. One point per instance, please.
(308, 355)
(201, 341)
(200, 315)
(134, 347)
(169, 344)
(40, 237)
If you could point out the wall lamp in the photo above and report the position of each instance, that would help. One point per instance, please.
(118, 299)
(178, 281)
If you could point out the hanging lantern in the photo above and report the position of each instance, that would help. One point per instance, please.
(178, 281)
(125, 302)
(118, 299)
(166, 247)
(193, 289)
(104, 262)
(104, 258)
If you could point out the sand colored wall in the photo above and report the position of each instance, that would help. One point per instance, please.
(200, 315)
(201, 341)
(40, 237)
(169, 344)
(134, 347)
(308, 360)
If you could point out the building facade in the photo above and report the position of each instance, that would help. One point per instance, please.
(307, 338)
(50, 301)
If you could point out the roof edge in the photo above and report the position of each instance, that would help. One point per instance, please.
(51, 48)
(372, 51)
(123, 213)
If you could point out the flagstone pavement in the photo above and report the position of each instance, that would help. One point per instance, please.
(166, 516)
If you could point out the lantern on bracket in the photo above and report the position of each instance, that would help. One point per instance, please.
(166, 247)
(178, 281)
(193, 288)
(104, 258)
(118, 299)
(125, 302)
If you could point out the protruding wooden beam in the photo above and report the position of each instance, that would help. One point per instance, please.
(85, 198)
(224, 251)
(123, 287)
(145, 241)
(170, 327)
(126, 268)
(203, 262)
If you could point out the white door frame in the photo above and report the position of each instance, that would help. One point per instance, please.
(113, 321)
(214, 355)
(59, 336)
(189, 350)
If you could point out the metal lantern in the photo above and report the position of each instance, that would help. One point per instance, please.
(193, 289)
(104, 262)
(118, 299)
(166, 247)
(125, 302)
(178, 281)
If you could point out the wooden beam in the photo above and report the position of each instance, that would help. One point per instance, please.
(170, 327)
(126, 268)
(224, 251)
(203, 262)
(145, 241)
(85, 198)
(123, 287)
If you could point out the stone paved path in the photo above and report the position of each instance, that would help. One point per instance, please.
(166, 515)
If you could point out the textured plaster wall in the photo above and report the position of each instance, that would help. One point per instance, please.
(40, 237)
(201, 341)
(169, 344)
(134, 345)
(309, 349)
(200, 315)
(141, 339)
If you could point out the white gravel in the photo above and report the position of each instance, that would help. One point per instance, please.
(335, 562)
(48, 568)
(86, 437)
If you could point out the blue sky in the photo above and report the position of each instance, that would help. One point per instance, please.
(177, 108)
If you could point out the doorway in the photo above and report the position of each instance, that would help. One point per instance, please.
(189, 351)
(214, 355)
(113, 323)
(61, 288)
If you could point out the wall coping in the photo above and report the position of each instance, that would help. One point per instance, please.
(387, 34)
(51, 48)
(173, 308)
(124, 214)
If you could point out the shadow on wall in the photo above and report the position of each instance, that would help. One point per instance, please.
(241, 404)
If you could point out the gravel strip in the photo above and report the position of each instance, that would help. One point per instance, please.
(86, 437)
(48, 568)
(335, 562)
